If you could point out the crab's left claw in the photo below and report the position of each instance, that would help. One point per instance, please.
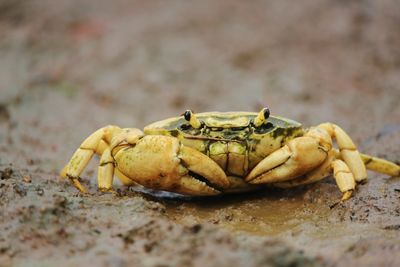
(163, 163)
(299, 156)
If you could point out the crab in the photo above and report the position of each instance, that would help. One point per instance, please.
(223, 152)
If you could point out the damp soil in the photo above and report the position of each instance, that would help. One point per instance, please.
(71, 67)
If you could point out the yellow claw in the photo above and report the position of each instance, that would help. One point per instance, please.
(202, 165)
(299, 156)
(163, 163)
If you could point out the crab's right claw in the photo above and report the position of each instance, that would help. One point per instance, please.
(163, 163)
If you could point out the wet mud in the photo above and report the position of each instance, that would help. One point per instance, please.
(69, 68)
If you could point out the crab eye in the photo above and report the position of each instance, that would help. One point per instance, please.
(262, 116)
(192, 119)
(187, 114)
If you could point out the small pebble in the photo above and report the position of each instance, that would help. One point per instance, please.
(6, 173)
(27, 179)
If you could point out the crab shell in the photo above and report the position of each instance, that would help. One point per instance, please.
(231, 140)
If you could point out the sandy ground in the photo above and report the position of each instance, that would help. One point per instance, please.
(70, 67)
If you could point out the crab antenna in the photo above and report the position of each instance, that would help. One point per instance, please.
(192, 119)
(261, 117)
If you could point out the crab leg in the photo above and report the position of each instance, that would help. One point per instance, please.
(348, 150)
(99, 150)
(96, 142)
(105, 171)
(377, 164)
(345, 179)
(380, 165)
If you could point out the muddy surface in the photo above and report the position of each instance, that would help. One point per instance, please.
(70, 67)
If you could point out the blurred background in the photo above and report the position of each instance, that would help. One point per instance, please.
(68, 67)
(74, 66)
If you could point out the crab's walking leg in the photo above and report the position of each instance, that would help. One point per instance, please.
(348, 150)
(96, 142)
(344, 178)
(377, 164)
(380, 165)
(99, 151)
(105, 171)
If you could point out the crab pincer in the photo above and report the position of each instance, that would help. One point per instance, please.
(163, 163)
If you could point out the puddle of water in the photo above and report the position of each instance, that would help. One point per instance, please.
(260, 213)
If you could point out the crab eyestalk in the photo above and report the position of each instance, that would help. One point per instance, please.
(261, 117)
(192, 119)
